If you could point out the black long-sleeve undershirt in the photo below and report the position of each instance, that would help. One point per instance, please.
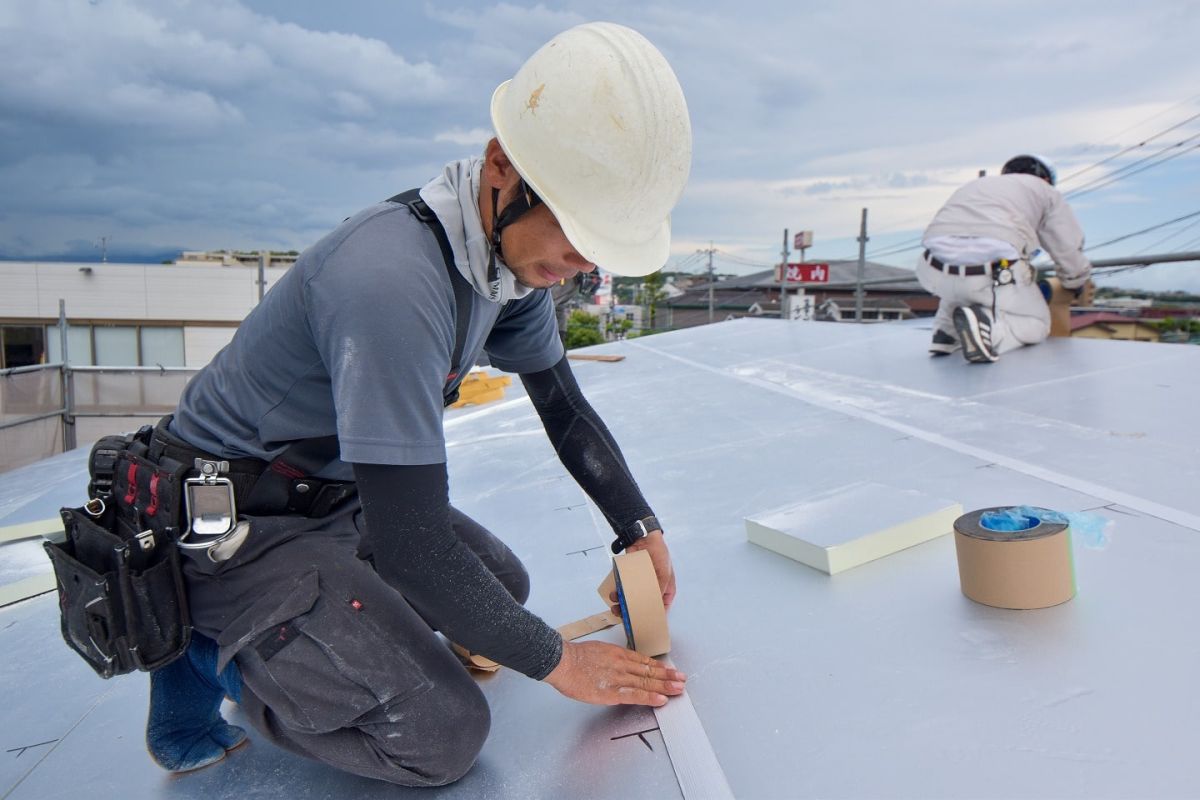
(415, 548)
(584, 445)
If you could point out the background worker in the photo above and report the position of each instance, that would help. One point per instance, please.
(322, 621)
(977, 260)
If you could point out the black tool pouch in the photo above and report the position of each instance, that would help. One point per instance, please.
(121, 592)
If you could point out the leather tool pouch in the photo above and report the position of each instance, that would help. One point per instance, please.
(121, 592)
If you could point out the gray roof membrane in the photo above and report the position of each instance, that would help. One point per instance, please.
(882, 681)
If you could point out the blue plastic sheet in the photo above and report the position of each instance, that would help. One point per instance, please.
(1088, 528)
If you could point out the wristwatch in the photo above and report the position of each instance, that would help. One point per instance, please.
(638, 530)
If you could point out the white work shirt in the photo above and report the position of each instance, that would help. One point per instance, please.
(969, 250)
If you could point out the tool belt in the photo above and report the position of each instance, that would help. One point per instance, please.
(1000, 269)
(154, 499)
(120, 583)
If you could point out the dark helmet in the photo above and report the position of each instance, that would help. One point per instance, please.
(1029, 165)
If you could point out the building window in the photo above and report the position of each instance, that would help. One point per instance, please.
(162, 347)
(118, 345)
(21, 346)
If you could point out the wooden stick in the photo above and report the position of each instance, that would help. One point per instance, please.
(586, 357)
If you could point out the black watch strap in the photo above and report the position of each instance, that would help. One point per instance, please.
(631, 533)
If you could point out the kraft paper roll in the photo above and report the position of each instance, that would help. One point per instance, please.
(641, 604)
(1014, 569)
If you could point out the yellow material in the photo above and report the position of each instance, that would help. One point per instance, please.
(479, 388)
(31, 530)
(27, 588)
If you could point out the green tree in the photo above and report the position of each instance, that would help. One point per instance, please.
(652, 294)
(583, 329)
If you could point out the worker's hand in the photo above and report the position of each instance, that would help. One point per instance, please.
(607, 675)
(656, 546)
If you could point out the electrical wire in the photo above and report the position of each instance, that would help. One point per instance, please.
(1129, 149)
(1168, 237)
(722, 254)
(1143, 230)
(1183, 248)
(1126, 171)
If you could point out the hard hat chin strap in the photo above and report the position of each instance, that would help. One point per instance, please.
(525, 200)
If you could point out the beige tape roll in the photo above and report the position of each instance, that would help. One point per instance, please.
(1014, 569)
(642, 605)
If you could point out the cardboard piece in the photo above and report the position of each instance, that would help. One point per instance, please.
(642, 607)
(851, 525)
(607, 587)
(1014, 569)
(1060, 305)
(571, 631)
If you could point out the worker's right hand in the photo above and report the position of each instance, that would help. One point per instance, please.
(607, 675)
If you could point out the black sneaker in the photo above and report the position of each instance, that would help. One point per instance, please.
(974, 328)
(943, 344)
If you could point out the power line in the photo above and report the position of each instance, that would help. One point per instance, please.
(1144, 230)
(1127, 170)
(1168, 237)
(896, 249)
(1183, 247)
(1131, 148)
(1162, 113)
(741, 259)
(685, 263)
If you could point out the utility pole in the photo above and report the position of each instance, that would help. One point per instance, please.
(711, 279)
(263, 258)
(862, 268)
(104, 249)
(783, 276)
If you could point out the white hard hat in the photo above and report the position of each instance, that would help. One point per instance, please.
(595, 122)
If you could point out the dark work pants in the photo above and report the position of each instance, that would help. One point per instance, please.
(336, 665)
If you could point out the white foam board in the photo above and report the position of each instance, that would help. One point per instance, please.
(852, 524)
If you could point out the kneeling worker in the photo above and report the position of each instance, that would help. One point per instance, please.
(976, 260)
(322, 622)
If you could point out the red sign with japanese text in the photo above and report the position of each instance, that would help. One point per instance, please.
(807, 273)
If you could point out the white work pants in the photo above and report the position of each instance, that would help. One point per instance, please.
(1019, 313)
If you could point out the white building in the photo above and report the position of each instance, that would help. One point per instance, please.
(170, 315)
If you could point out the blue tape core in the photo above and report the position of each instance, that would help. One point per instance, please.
(624, 610)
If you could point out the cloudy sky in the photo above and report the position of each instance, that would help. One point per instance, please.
(171, 124)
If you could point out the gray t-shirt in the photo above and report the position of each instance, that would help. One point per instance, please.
(357, 339)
